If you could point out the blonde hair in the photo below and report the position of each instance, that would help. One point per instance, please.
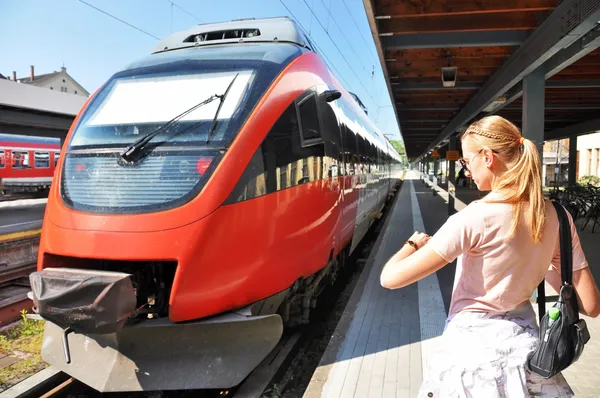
(522, 182)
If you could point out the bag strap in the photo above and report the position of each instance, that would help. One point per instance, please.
(566, 257)
(566, 249)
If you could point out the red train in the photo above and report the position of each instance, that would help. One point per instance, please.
(27, 164)
(206, 196)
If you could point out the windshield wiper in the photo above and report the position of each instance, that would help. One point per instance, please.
(222, 98)
(130, 153)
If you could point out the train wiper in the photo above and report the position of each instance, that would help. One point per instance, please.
(222, 98)
(131, 153)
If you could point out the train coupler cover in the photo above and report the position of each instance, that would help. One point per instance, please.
(86, 301)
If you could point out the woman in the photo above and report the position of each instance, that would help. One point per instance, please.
(506, 244)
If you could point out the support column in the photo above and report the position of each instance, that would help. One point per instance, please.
(533, 109)
(436, 167)
(452, 146)
(572, 161)
(533, 129)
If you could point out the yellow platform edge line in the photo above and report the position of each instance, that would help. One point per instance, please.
(20, 235)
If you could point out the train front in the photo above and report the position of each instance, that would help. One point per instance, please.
(127, 307)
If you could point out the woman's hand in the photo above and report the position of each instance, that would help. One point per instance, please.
(420, 238)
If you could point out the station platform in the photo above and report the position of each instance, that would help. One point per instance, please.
(21, 216)
(385, 338)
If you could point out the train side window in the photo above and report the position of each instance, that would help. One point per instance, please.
(20, 160)
(2, 160)
(56, 157)
(309, 119)
(282, 161)
(41, 160)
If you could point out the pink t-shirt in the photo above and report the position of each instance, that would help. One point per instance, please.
(493, 274)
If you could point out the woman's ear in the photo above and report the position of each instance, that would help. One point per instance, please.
(489, 158)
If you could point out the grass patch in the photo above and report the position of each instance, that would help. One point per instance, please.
(23, 341)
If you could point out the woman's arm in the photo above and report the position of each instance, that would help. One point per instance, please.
(410, 265)
(588, 296)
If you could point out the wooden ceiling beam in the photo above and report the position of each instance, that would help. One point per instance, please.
(456, 52)
(461, 23)
(435, 72)
(428, 8)
(489, 62)
(573, 78)
(435, 93)
(577, 69)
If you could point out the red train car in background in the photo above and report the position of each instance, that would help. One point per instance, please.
(27, 164)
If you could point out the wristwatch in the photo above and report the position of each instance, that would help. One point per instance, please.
(413, 244)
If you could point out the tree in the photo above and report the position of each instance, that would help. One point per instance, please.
(398, 146)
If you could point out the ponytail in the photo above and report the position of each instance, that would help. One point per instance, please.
(523, 182)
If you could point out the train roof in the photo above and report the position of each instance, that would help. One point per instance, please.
(276, 29)
(24, 139)
(280, 54)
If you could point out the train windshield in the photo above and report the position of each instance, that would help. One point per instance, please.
(143, 98)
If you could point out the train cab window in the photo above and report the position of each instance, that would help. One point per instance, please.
(20, 160)
(309, 119)
(41, 160)
(2, 160)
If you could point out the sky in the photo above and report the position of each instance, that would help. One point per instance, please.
(92, 45)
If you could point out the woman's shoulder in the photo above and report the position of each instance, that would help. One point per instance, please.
(483, 210)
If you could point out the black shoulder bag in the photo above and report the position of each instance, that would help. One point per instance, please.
(562, 335)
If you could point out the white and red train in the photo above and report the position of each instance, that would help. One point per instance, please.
(27, 164)
(205, 196)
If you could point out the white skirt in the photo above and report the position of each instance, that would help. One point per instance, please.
(482, 354)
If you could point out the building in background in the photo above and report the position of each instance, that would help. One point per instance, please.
(556, 160)
(59, 81)
(588, 161)
(556, 163)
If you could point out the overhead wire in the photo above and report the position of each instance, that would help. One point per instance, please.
(341, 53)
(342, 32)
(118, 19)
(331, 65)
(186, 11)
(357, 29)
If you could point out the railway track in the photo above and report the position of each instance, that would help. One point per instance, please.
(286, 370)
(17, 260)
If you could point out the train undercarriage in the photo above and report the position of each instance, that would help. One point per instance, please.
(115, 314)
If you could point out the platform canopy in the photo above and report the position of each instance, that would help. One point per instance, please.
(485, 49)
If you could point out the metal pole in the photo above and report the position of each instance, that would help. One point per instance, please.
(572, 161)
(533, 129)
(533, 109)
(453, 146)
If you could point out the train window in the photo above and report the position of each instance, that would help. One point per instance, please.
(330, 131)
(309, 119)
(350, 150)
(2, 161)
(20, 160)
(56, 157)
(41, 160)
(281, 160)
